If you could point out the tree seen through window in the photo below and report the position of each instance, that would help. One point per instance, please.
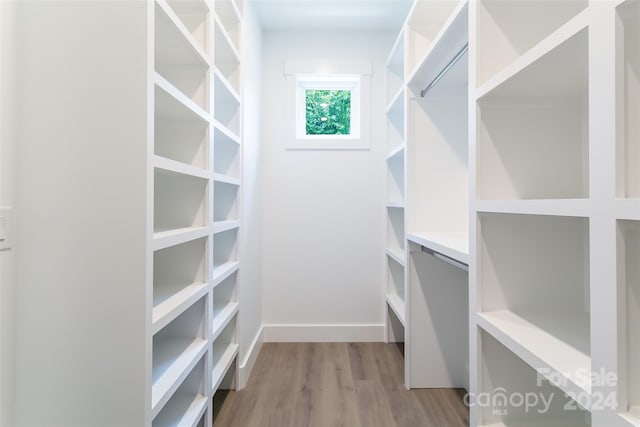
(328, 112)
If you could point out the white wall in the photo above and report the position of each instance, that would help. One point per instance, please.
(323, 210)
(250, 290)
(7, 199)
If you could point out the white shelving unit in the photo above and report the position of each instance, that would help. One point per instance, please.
(395, 311)
(196, 181)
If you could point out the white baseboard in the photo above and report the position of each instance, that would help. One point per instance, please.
(250, 359)
(323, 333)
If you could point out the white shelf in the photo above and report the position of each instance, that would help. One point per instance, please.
(555, 356)
(174, 166)
(450, 40)
(397, 152)
(395, 205)
(222, 226)
(628, 209)
(221, 272)
(509, 31)
(226, 179)
(225, 52)
(230, 18)
(225, 202)
(186, 410)
(174, 106)
(397, 305)
(395, 60)
(174, 41)
(222, 318)
(170, 308)
(555, 67)
(397, 255)
(453, 245)
(396, 106)
(555, 207)
(632, 417)
(223, 132)
(223, 364)
(223, 89)
(165, 239)
(175, 368)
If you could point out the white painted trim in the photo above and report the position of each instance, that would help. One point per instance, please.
(323, 333)
(328, 66)
(246, 366)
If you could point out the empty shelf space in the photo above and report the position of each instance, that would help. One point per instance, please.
(397, 305)
(395, 229)
(226, 157)
(222, 315)
(224, 270)
(226, 104)
(226, 57)
(396, 177)
(174, 166)
(221, 226)
(533, 130)
(176, 350)
(508, 30)
(450, 40)
(395, 67)
(426, 20)
(397, 255)
(437, 165)
(563, 354)
(395, 278)
(188, 404)
(397, 152)
(632, 417)
(172, 106)
(225, 248)
(628, 209)
(173, 305)
(452, 245)
(183, 143)
(174, 41)
(229, 18)
(628, 104)
(222, 365)
(553, 207)
(395, 110)
(628, 254)
(225, 202)
(179, 203)
(224, 92)
(504, 375)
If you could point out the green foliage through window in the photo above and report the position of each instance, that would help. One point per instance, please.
(328, 112)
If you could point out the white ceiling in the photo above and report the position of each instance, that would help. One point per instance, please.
(332, 14)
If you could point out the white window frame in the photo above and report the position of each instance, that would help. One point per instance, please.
(328, 82)
(332, 75)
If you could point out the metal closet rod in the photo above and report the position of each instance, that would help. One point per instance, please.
(446, 258)
(444, 71)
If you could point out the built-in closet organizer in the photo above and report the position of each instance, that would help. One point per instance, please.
(428, 176)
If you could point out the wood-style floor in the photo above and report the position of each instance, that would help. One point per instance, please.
(335, 384)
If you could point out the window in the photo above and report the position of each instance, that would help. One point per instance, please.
(327, 104)
(328, 107)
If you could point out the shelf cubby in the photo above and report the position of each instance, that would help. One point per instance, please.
(395, 279)
(396, 121)
(439, 304)
(395, 176)
(395, 233)
(425, 21)
(628, 254)
(226, 154)
(225, 204)
(188, 404)
(395, 68)
(179, 201)
(533, 135)
(506, 378)
(535, 291)
(225, 248)
(229, 17)
(179, 280)
(176, 350)
(225, 300)
(226, 57)
(437, 166)
(174, 107)
(226, 103)
(628, 99)
(508, 29)
(194, 15)
(179, 58)
(225, 350)
(182, 143)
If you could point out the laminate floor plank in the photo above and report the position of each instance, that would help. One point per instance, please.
(336, 385)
